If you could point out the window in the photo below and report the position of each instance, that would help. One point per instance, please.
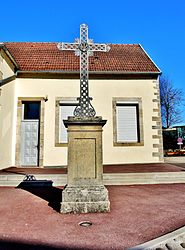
(127, 122)
(31, 110)
(64, 108)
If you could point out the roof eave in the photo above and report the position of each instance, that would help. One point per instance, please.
(7, 80)
(90, 72)
(150, 58)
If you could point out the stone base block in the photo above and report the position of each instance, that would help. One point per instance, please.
(85, 207)
(85, 199)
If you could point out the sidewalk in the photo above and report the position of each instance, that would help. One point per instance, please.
(120, 174)
(177, 161)
(30, 219)
(116, 168)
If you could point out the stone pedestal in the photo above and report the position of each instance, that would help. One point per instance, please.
(85, 192)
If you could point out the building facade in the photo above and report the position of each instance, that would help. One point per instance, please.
(39, 87)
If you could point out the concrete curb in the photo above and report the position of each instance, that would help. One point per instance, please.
(173, 160)
(108, 179)
(170, 241)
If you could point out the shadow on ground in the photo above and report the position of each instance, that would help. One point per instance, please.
(19, 245)
(44, 190)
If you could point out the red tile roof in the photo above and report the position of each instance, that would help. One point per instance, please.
(47, 57)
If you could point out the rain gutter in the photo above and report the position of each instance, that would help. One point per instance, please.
(90, 72)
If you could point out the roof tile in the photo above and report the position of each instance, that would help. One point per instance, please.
(47, 57)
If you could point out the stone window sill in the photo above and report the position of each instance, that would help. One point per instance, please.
(128, 144)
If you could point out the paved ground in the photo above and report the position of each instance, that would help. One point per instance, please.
(30, 219)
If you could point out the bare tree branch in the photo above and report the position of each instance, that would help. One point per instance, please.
(171, 100)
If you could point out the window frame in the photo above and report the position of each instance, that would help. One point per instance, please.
(1, 75)
(128, 101)
(62, 101)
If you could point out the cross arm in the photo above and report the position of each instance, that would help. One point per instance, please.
(68, 46)
(99, 47)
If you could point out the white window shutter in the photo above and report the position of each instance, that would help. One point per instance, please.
(127, 124)
(65, 111)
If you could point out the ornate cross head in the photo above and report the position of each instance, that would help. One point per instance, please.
(84, 47)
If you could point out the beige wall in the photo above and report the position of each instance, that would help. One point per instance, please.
(4, 68)
(7, 125)
(103, 105)
(7, 116)
(102, 92)
(53, 156)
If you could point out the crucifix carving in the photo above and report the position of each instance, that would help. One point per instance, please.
(84, 47)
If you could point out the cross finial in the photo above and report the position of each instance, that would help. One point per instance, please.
(84, 48)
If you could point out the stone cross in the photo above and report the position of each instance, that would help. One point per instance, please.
(84, 47)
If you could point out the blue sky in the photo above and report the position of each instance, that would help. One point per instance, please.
(158, 25)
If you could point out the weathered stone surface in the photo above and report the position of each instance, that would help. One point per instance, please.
(85, 192)
(85, 199)
(85, 207)
(85, 150)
